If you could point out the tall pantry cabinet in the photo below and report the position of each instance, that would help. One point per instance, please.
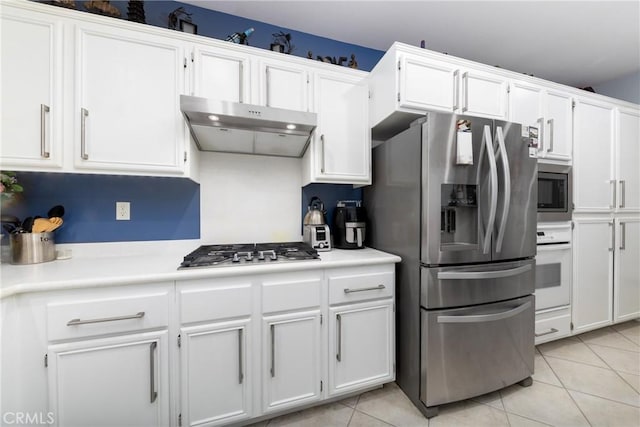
(606, 214)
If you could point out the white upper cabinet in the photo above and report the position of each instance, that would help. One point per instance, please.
(31, 81)
(548, 110)
(340, 150)
(221, 74)
(127, 100)
(283, 85)
(426, 85)
(627, 156)
(594, 181)
(483, 95)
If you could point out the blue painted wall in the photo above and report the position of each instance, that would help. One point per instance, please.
(161, 208)
(219, 25)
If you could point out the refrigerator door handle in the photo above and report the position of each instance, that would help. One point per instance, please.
(479, 318)
(496, 274)
(507, 188)
(493, 193)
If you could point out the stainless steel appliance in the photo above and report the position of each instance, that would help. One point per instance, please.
(455, 197)
(315, 231)
(234, 127)
(555, 201)
(349, 225)
(247, 254)
(553, 265)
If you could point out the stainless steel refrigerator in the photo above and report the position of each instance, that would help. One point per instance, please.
(456, 198)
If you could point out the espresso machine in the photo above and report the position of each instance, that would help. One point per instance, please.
(349, 225)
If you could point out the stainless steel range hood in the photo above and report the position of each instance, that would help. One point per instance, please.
(249, 129)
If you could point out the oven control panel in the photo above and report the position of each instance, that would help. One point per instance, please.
(548, 234)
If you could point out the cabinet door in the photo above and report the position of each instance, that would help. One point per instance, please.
(426, 85)
(592, 273)
(558, 127)
(628, 153)
(525, 107)
(627, 270)
(361, 346)
(484, 95)
(283, 85)
(215, 384)
(221, 74)
(128, 106)
(114, 381)
(594, 185)
(31, 80)
(291, 360)
(342, 141)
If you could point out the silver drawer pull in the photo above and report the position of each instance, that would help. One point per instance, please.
(106, 319)
(375, 288)
(152, 371)
(550, 331)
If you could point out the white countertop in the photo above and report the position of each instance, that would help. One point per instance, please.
(112, 264)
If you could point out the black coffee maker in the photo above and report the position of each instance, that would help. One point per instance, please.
(349, 225)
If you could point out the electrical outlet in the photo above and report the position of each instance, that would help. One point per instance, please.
(123, 211)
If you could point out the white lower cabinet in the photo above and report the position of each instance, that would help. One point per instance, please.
(291, 360)
(626, 290)
(361, 347)
(122, 380)
(215, 388)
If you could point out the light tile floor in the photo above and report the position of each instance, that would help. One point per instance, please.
(592, 379)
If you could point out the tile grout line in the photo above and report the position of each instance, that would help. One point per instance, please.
(376, 418)
(615, 332)
(609, 366)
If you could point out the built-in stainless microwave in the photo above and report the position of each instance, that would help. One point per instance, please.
(555, 201)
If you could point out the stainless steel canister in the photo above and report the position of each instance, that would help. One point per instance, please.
(32, 248)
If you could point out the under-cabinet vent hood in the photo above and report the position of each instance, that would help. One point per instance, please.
(249, 129)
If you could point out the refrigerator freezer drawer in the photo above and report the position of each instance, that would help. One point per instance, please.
(470, 351)
(442, 287)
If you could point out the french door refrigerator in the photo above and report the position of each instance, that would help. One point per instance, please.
(456, 197)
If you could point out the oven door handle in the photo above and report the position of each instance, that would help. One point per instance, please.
(496, 274)
(553, 247)
(480, 318)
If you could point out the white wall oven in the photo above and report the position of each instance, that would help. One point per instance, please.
(554, 192)
(553, 266)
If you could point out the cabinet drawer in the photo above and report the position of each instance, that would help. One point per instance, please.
(68, 320)
(213, 303)
(552, 326)
(291, 295)
(360, 287)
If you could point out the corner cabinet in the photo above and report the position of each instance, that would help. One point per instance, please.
(340, 149)
(31, 81)
(127, 109)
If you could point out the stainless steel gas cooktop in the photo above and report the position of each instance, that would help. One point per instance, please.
(248, 254)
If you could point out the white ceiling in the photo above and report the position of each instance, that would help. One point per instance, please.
(578, 43)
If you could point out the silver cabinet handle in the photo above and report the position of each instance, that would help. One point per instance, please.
(622, 194)
(465, 89)
(374, 288)
(613, 182)
(613, 237)
(479, 318)
(550, 331)
(623, 237)
(541, 133)
(322, 149)
(266, 70)
(152, 371)
(456, 89)
(83, 133)
(465, 275)
(73, 322)
(240, 372)
(550, 123)
(273, 351)
(507, 188)
(487, 144)
(339, 327)
(44, 109)
(240, 82)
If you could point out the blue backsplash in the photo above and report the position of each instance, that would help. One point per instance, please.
(161, 208)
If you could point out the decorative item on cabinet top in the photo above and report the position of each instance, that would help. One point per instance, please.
(247, 129)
